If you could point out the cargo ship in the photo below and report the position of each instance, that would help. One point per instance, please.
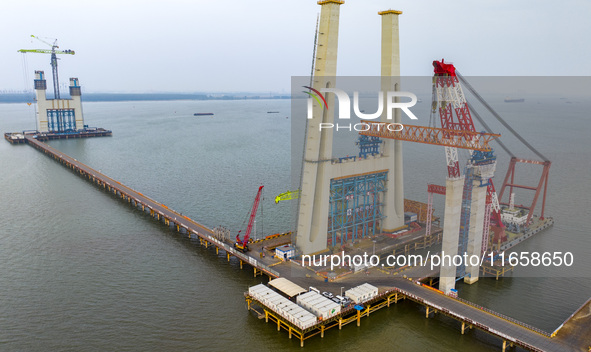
(203, 114)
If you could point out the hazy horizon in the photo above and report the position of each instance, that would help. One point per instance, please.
(256, 46)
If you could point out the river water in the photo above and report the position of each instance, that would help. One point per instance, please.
(82, 271)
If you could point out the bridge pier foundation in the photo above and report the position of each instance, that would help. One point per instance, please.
(465, 327)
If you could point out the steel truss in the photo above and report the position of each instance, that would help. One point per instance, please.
(356, 206)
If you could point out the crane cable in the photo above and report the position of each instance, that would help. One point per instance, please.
(488, 129)
(297, 215)
(498, 117)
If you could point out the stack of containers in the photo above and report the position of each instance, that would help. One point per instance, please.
(282, 306)
(362, 293)
(321, 306)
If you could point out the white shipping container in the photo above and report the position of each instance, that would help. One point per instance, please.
(355, 295)
(363, 292)
(256, 289)
(283, 306)
(373, 291)
(313, 302)
(306, 296)
(310, 296)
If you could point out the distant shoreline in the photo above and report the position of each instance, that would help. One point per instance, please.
(111, 97)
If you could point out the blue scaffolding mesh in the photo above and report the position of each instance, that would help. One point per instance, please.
(368, 146)
(465, 219)
(478, 158)
(61, 120)
(356, 206)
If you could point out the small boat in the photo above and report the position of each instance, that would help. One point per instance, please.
(203, 114)
(272, 112)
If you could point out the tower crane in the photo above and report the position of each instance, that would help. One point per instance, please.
(242, 244)
(457, 131)
(449, 100)
(53, 52)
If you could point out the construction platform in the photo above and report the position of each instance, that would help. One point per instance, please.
(573, 334)
(469, 315)
(20, 137)
(537, 225)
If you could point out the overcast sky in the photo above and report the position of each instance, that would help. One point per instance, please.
(257, 45)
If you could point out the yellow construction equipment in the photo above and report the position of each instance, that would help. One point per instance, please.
(287, 196)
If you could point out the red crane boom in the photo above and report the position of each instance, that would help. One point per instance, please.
(253, 214)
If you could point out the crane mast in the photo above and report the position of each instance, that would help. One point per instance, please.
(452, 102)
(53, 52)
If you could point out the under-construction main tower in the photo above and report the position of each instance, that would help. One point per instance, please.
(467, 215)
(341, 201)
(58, 115)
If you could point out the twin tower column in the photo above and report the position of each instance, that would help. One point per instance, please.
(312, 227)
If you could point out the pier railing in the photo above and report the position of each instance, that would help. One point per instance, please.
(504, 317)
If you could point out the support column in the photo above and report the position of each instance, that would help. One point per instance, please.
(312, 227)
(392, 149)
(477, 210)
(42, 102)
(451, 232)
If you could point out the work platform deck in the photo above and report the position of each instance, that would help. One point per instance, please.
(470, 315)
(510, 331)
(20, 137)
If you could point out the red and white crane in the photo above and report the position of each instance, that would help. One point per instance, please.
(451, 101)
(242, 244)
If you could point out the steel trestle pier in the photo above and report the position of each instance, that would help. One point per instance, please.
(157, 210)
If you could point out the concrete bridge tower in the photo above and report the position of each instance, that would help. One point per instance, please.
(333, 192)
(58, 115)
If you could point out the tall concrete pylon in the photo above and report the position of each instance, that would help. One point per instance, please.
(454, 188)
(318, 169)
(314, 199)
(392, 149)
(477, 209)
